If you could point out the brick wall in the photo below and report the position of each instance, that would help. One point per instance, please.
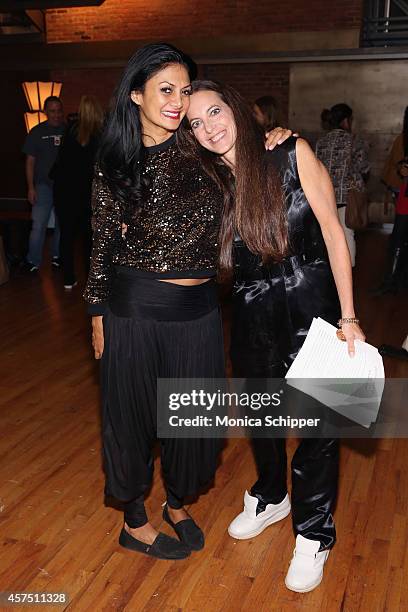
(254, 80)
(155, 19)
(99, 82)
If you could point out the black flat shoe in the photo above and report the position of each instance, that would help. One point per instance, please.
(164, 547)
(187, 530)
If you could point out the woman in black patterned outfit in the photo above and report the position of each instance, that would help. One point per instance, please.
(152, 294)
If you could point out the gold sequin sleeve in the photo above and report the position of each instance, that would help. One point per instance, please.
(107, 235)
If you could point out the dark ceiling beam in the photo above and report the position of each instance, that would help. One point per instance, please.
(22, 5)
(37, 18)
(24, 26)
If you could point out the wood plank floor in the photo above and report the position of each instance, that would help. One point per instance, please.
(57, 534)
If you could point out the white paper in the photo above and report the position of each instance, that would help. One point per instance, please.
(356, 383)
(323, 355)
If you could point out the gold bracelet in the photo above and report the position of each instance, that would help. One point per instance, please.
(341, 322)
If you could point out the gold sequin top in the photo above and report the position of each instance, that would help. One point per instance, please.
(174, 236)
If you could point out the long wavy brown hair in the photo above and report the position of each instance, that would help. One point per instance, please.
(253, 202)
(90, 119)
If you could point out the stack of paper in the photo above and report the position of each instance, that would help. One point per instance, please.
(323, 369)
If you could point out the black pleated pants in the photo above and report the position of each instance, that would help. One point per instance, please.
(155, 329)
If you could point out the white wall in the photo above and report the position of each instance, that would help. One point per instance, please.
(377, 91)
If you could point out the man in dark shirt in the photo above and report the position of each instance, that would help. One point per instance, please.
(41, 147)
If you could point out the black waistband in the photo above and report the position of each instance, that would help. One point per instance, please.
(157, 300)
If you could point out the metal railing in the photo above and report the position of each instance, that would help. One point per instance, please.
(385, 31)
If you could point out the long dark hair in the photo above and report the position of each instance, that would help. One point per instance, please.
(254, 203)
(334, 117)
(121, 149)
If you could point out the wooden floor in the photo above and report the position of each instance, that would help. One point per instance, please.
(57, 534)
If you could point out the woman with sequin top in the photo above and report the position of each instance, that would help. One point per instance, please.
(282, 242)
(152, 294)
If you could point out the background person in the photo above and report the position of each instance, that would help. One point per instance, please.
(395, 177)
(346, 158)
(266, 112)
(399, 151)
(41, 148)
(73, 174)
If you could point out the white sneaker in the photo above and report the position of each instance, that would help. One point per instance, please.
(248, 524)
(306, 568)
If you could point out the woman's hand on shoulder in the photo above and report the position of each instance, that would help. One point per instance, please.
(276, 137)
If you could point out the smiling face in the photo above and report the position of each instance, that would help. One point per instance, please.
(164, 102)
(213, 124)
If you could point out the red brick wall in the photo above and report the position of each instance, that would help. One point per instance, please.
(254, 80)
(99, 82)
(150, 19)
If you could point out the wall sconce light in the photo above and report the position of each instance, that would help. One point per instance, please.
(36, 93)
(33, 119)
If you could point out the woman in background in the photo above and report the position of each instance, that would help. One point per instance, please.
(395, 177)
(346, 159)
(266, 113)
(279, 230)
(399, 151)
(73, 174)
